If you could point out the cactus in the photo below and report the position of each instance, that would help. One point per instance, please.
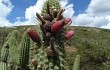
(14, 34)
(12, 58)
(77, 63)
(4, 52)
(53, 4)
(24, 54)
(36, 51)
(4, 56)
(3, 66)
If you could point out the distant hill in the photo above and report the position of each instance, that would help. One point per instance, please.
(80, 32)
(93, 44)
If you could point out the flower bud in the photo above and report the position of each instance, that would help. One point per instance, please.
(69, 34)
(57, 26)
(33, 34)
(67, 20)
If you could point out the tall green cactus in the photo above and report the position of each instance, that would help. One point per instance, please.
(25, 48)
(14, 34)
(4, 52)
(77, 63)
(12, 51)
(4, 56)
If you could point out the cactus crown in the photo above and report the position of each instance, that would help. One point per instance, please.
(53, 4)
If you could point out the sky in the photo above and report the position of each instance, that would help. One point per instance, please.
(92, 13)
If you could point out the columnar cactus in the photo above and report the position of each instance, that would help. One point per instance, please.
(12, 51)
(49, 47)
(4, 57)
(24, 54)
(53, 26)
(14, 34)
(3, 66)
(4, 52)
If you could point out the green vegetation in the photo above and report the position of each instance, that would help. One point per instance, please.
(93, 45)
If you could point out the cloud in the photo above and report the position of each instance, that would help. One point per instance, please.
(5, 8)
(99, 7)
(108, 25)
(30, 13)
(95, 15)
(68, 9)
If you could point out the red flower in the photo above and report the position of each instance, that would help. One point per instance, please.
(33, 34)
(57, 26)
(69, 34)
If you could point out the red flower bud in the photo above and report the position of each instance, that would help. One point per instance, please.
(33, 34)
(67, 20)
(57, 26)
(69, 34)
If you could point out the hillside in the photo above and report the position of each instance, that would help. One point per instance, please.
(91, 43)
(80, 33)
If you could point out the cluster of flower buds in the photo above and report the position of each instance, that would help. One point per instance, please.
(51, 23)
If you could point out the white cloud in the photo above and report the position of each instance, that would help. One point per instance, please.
(68, 8)
(63, 3)
(99, 7)
(108, 25)
(96, 15)
(5, 8)
(19, 23)
(30, 12)
(68, 13)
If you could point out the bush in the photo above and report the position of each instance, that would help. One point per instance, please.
(94, 54)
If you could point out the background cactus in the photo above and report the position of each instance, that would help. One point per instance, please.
(24, 54)
(77, 63)
(4, 57)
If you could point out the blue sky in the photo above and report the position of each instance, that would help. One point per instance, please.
(19, 9)
(79, 6)
(20, 6)
(92, 13)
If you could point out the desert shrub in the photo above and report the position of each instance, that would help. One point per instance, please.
(94, 54)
